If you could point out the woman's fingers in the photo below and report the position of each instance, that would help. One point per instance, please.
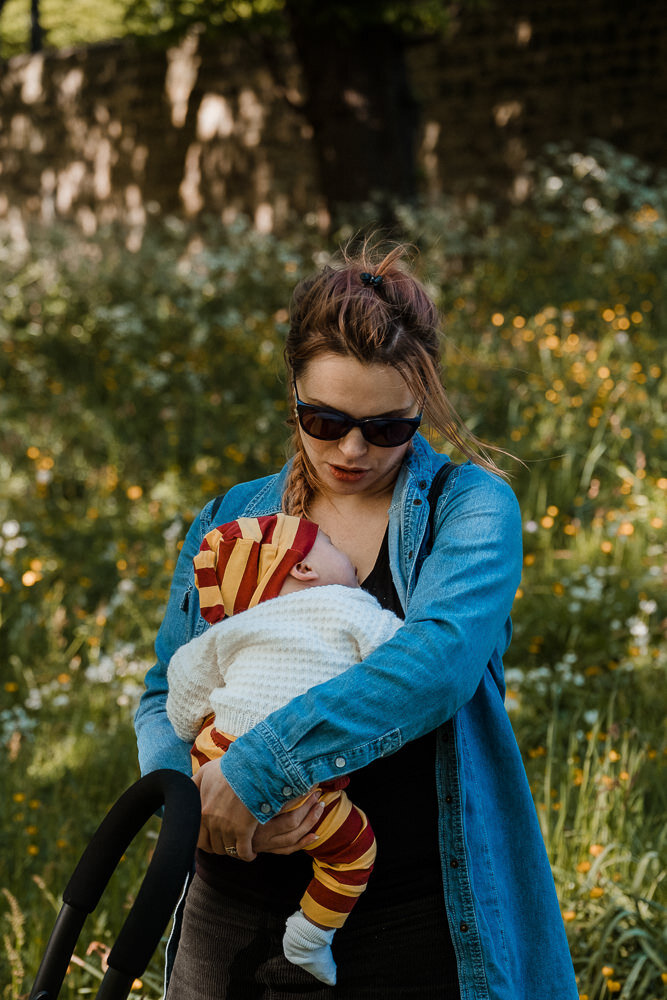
(290, 831)
(226, 822)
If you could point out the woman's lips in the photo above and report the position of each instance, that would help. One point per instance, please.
(347, 475)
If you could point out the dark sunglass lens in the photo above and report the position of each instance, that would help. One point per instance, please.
(322, 425)
(389, 433)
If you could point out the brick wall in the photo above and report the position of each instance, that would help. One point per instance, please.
(121, 130)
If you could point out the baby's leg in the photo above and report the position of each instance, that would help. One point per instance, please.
(343, 860)
(210, 744)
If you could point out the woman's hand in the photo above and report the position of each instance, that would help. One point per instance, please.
(225, 821)
(289, 832)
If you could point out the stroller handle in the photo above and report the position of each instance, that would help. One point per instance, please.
(158, 894)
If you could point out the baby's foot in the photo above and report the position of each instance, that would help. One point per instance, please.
(309, 946)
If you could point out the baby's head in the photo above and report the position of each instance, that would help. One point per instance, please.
(252, 559)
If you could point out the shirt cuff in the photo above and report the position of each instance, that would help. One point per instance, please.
(261, 773)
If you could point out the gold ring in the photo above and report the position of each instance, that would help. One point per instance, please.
(232, 852)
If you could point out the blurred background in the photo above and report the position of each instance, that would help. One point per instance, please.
(169, 169)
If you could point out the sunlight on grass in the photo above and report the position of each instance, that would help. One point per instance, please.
(154, 382)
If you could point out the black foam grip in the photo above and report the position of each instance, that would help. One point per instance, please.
(168, 869)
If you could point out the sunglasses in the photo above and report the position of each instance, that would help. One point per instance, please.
(331, 425)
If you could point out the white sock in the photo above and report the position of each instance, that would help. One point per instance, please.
(309, 946)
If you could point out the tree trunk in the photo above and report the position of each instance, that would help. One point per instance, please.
(359, 104)
(36, 34)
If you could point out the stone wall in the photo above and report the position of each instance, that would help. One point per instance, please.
(121, 130)
(518, 75)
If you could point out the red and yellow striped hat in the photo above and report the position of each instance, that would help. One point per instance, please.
(247, 561)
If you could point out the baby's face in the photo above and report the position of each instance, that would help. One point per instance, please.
(332, 565)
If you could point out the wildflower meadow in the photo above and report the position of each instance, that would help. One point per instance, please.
(137, 382)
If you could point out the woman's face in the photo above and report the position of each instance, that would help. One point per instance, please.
(350, 465)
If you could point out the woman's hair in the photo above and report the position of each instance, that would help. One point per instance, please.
(392, 322)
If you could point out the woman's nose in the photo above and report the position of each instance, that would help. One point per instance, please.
(354, 444)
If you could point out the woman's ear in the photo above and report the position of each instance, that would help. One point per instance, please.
(304, 573)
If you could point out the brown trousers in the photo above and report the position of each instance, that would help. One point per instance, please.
(231, 949)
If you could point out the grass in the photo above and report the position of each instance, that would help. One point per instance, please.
(134, 385)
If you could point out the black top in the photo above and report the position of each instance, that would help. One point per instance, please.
(397, 793)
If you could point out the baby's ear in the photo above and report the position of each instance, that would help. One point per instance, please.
(304, 573)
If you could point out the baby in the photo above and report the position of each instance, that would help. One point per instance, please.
(305, 619)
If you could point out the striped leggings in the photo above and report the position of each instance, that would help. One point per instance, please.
(344, 855)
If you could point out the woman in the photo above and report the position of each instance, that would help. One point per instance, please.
(462, 901)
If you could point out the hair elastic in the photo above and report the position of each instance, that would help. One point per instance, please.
(374, 280)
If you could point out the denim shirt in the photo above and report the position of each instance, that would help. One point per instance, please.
(442, 670)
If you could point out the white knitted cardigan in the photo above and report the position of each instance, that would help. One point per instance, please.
(249, 665)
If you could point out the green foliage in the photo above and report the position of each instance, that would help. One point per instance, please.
(75, 22)
(171, 20)
(84, 22)
(134, 385)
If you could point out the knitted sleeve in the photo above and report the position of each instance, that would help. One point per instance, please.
(195, 669)
(377, 627)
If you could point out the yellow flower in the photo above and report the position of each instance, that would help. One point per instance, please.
(18, 797)
(583, 867)
(613, 986)
(596, 892)
(596, 850)
(33, 850)
(569, 915)
(134, 492)
(614, 756)
(607, 970)
(11, 686)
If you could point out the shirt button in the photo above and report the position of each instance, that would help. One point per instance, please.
(417, 503)
(265, 808)
(288, 792)
(464, 927)
(340, 762)
(449, 799)
(454, 863)
(422, 484)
